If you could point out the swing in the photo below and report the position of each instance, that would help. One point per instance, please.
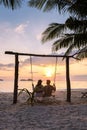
(54, 80)
(31, 98)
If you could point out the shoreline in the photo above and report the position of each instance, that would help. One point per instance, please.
(60, 95)
(62, 89)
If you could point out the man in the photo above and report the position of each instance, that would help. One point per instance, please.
(48, 89)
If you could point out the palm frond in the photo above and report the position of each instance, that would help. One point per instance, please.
(11, 3)
(47, 5)
(80, 40)
(30, 95)
(24, 90)
(63, 42)
(69, 50)
(60, 5)
(79, 8)
(76, 25)
(53, 31)
(70, 41)
(71, 47)
(82, 53)
(37, 3)
(76, 7)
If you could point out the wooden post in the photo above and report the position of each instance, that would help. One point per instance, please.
(68, 81)
(16, 79)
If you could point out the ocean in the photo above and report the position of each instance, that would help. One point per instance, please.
(8, 86)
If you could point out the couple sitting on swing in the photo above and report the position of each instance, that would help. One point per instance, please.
(44, 91)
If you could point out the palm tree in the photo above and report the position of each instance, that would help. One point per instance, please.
(73, 33)
(70, 35)
(11, 3)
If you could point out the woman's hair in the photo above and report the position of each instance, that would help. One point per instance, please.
(39, 81)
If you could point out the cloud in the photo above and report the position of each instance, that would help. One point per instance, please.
(38, 37)
(15, 38)
(21, 28)
(43, 61)
(6, 66)
(24, 37)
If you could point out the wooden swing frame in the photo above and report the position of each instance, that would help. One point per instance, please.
(16, 54)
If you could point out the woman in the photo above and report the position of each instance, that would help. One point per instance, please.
(39, 90)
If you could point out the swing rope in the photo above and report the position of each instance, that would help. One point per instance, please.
(31, 73)
(55, 71)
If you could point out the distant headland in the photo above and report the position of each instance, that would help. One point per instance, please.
(1, 80)
(26, 80)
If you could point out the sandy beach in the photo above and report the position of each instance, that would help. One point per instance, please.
(59, 115)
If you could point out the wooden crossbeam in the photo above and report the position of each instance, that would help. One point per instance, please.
(37, 55)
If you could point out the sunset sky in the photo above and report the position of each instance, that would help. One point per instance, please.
(20, 31)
